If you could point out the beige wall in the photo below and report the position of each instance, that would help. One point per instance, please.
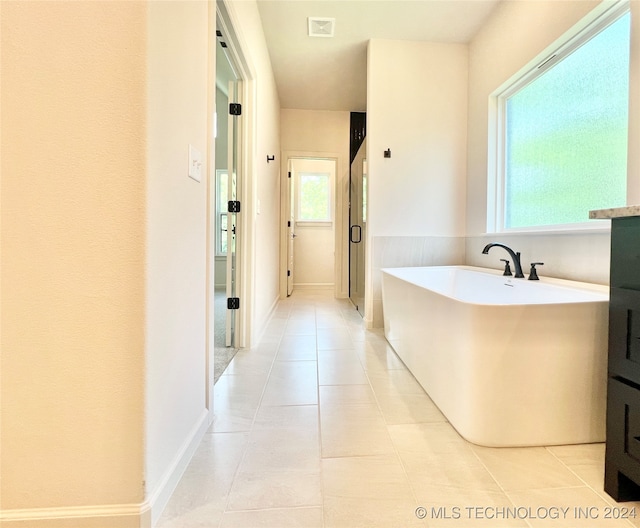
(176, 240)
(417, 108)
(103, 257)
(317, 133)
(73, 260)
(515, 35)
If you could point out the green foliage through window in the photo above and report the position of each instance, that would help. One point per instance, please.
(566, 135)
(314, 204)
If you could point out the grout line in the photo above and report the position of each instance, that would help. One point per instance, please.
(601, 494)
(251, 428)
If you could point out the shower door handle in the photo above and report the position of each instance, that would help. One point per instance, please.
(351, 239)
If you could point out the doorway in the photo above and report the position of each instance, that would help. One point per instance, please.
(311, 223)
(226, 189)
(358, 227)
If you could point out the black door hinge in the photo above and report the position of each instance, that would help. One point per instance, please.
(289, 174)
(288, 273)
(233, 303)
(288, 223)
(233, 206)
(235, 109)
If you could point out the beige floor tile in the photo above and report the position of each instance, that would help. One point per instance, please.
(297, 347)
(204, 516)
(367, 491)
(399, 381)
(451, 471)
(288, 416)
(446, 507)
(292, 383)
(409, 408)
(358, 334)
(251, 362)
(428, 441)
(340, 367)
(201, 494)
(346, 394)
(365, 477)
(434, 455)
(277, 518)
(236, 400)
(630, 509)
(586, 461)
(579, 454)
(567, 508)
(275, 328)
(283, 449)
(351, 314)
(334, 339)
(387, 448)
(353, 430)
(376, 360)
(275, 489)
(340, 512)
(329, 319)
(306, 326)
(593, 476)
(526, 468)
(302, 316)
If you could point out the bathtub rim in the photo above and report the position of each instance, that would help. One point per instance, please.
(569, 284)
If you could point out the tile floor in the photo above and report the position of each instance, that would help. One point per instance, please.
(321, 425)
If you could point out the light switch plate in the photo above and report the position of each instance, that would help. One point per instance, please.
(195, 163)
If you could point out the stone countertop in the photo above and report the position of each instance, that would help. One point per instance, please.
(616, 212)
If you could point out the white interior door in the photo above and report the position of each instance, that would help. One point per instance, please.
(233, 162)
(313, 194)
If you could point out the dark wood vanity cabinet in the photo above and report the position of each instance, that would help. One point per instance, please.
(622, 458)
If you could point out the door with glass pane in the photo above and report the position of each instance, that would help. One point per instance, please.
(234, 207)
(312, 224)
(357, 228)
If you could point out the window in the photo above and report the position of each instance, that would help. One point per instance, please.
(222, 181)
(564, 132)
(314, 197)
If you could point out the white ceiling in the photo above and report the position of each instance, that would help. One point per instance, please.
(330, 73)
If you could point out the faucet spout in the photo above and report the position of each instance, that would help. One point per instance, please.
(515, 256)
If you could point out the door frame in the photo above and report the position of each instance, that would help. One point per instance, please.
(221, 16)
(339, 217)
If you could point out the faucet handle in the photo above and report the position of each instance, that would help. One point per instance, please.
(533, 274)
(507, 268)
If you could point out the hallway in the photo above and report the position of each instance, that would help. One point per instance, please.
(321, 425)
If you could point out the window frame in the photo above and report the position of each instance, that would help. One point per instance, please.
(588, 28)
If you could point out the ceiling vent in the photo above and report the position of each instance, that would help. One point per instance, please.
(321, 27)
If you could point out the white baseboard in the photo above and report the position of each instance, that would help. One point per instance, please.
(313, 286)
(110, 516)
(368, 323)
(267, 319)
(143, 515)
(157, 499)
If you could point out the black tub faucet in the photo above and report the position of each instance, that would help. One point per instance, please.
(514, 256)
(533, 274)
(507, 268)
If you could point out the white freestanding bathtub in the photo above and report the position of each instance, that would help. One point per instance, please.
(509, 362)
